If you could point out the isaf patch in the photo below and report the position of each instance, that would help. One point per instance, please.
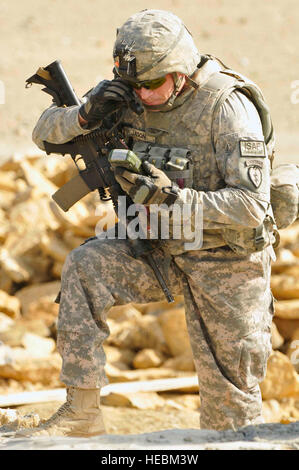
(252, 148)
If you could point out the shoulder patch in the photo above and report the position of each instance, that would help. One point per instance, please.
(252, 148)
(255, 176)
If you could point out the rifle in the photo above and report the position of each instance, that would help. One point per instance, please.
(94, 149)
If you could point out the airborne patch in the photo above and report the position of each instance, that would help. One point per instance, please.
(255, 176)
(252, 148)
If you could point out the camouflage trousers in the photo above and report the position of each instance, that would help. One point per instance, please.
(229, 311)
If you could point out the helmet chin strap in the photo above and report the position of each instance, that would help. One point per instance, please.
(178, 80)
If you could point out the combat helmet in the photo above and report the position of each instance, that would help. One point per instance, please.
(153, 43)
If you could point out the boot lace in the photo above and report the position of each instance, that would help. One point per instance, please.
(64, 408)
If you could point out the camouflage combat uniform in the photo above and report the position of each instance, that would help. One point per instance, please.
(228, 301)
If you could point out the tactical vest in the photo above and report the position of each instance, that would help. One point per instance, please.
(189, 124)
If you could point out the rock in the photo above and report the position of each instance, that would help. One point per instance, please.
(45, 309)
(140, 400)
(281, 411)
(295, 249)
(9, 305)
(7, 181)
(54, 247)
(6, 283)
(115, 375)
(286, 327)
(56, 170)
(285, 259)
(35, 178)
(72, 240)
(138, 333)
(289, 235)
(6, 199)
(7, 416)
(13, 336)
(147, 358)
(18, 364)
(36, 325)
(277, 339)
(72, 218)
(184, 361)
(287, 309)
(181, 401)
(15, 420)
(37, 346)
(57, 269)
(293, 350)
(11, 332)
(116, 355)
(39, 264)
(13, 163)
(174, 328)
(33, 216)
(285, 287)
(29, 294)
(281, 379)
(5, 322)
(271, 411)
(124, 312)
(156, 308)
(292, 271)
(289, 409)
(15, 268)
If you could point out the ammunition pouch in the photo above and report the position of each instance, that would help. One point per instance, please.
(247, 241)
(285, 194)
(176, 163)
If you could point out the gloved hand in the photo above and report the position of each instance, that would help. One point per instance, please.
(152, 188)
(106, 98)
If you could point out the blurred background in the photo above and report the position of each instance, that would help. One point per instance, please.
(147, 342)
(259, 39)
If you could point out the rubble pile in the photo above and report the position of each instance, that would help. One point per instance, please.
(146, 342)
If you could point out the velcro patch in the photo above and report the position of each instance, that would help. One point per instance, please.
(258, 163)
(252, 148)
(255, 176)
(139, 134)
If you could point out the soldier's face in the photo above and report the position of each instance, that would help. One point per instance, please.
(159, 95)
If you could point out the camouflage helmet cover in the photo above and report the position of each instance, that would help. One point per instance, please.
(153, 43)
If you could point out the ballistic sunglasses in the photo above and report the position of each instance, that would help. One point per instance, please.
(149, 84)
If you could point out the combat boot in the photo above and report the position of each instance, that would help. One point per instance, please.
(79, 416)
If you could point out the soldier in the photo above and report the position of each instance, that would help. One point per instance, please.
(190, 101)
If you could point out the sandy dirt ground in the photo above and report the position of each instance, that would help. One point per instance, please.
(258, 38)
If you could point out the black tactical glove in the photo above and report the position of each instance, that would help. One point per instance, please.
(156, 188)
(106, 98)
